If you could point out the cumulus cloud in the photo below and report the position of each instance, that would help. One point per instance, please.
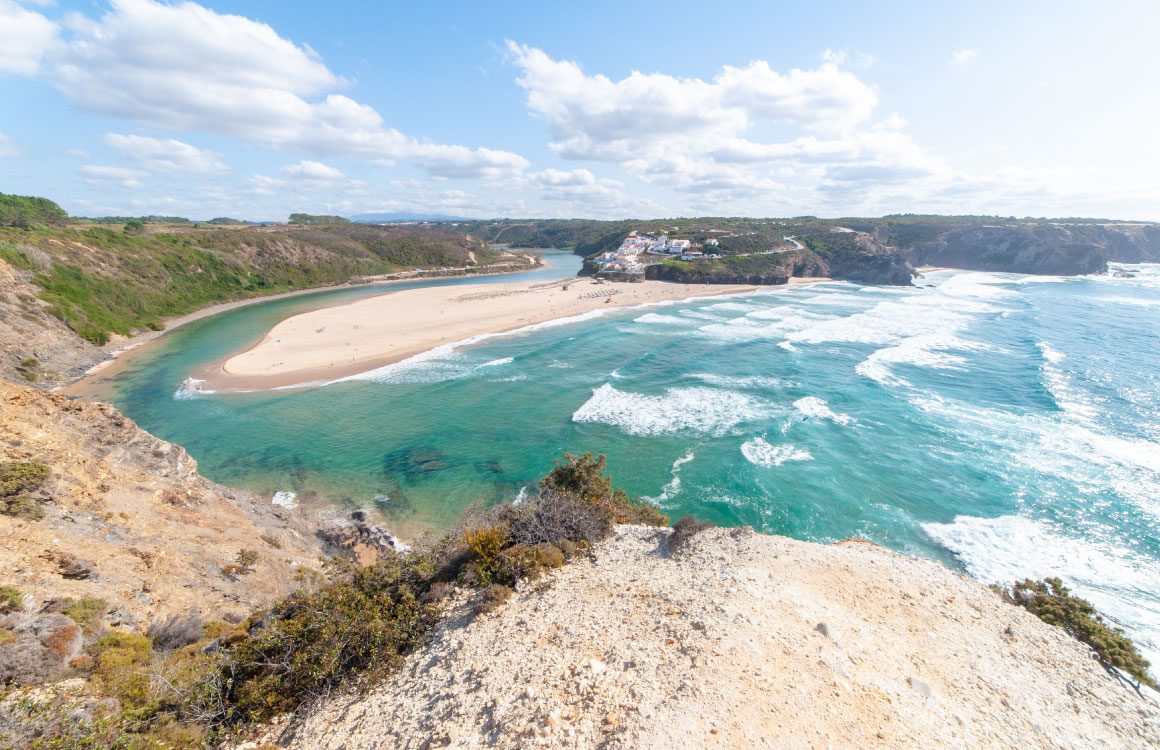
(186, 67)
(165, 155)
(594, 117)
(303, 178)
(96, 174)
(9, 147)
(25, 37)
(963, 56)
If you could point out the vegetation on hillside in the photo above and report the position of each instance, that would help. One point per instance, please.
(311, 219)
(1050, 601)
(189, 683)
(102, 281)
(26, 212)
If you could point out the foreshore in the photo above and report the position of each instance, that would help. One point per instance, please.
(335, 342)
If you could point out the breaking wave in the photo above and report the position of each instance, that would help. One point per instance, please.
(760, 453)
(705, 410)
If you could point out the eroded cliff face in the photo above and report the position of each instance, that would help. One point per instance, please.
(36, 347)
(128, 520)
(1055, 249)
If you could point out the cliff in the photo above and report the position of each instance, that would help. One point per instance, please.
(739, 640)
(1054, 251)
(124, 518)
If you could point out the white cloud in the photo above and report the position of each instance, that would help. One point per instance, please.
(593, 117)
(9, 147)
(302, 179)
(95, 174)
(186, 67)
(25, 37)
(165, 155)
(963, 56)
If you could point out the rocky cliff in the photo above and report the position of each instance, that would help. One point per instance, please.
(739, 640)
(123, 518)
(1046, 250)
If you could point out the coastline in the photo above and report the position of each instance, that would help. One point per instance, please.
(123, 344)
(358, 337)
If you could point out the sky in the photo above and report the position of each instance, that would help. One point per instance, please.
(599, 109)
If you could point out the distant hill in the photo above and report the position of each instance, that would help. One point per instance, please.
(404, 216)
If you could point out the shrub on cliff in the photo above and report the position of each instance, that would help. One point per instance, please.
(10, 599)
(583, 478)
(1051, 602)
(685, 529)
(361, 622)
(17, 479)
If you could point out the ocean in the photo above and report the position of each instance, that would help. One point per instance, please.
(1006, 425)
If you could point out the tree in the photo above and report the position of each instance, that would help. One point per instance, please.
(136, 226)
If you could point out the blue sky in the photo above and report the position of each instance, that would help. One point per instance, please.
(259, 109)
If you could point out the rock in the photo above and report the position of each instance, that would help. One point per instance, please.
(920, 686)
(824, 629)
(77, 568)
(42, 648)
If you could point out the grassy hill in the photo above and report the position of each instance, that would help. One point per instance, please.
(102, 280)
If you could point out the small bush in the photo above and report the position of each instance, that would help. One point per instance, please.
(176, 631)
(10, 599)
(486, 543)
(554, 516)
(583, 478)
(1051, 602)
(493, 597)
(362, 621)
(685, 529)
(85, 611)
(16, 479)
(246, 558)
(272, 541)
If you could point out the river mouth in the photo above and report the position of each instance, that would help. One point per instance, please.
(954, 421)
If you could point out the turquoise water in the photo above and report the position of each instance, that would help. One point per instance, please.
(1006, 425)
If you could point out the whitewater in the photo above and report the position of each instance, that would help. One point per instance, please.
(1005, 424)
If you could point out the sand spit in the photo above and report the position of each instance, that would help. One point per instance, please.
(359, 336)
(738, 641)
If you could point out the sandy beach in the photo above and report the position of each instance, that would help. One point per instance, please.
(359, 336)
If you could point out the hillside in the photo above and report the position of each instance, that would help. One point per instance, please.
(740, 640)
(64, 290)
(873, 250)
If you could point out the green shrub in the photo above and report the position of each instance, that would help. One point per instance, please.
(16, 479)
(486, 543)
(361, 622)
(1051, 602)
(583, 477)
(10, 599)
(84, 611)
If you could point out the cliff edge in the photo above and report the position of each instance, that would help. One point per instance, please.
(740, 640)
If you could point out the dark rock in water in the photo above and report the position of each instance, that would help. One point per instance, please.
(414, 462)
(1123, 275)
(489, 467)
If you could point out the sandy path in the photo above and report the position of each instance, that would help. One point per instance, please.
(366, 334)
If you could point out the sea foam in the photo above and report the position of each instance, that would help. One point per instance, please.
(1011, 548)
(812, 406)
(760, 453)
(706, 410)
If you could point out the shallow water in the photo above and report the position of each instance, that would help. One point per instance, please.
(1006, 424)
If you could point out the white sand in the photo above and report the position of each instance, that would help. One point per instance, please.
(360, 336)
